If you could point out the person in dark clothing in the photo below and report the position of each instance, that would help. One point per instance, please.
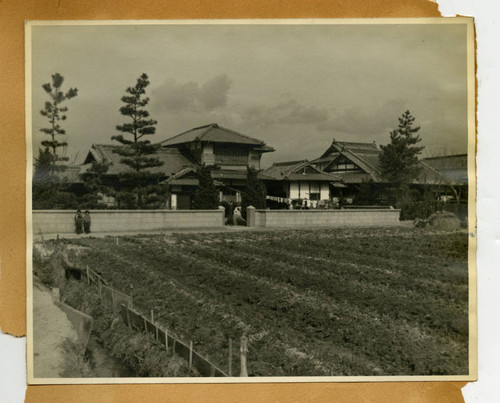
(86, 222)
(78, 222)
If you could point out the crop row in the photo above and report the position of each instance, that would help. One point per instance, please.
(211, 293)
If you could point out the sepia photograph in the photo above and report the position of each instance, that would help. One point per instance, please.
(251, 200)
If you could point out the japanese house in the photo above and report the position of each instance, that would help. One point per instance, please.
(358, 163)
(298, 183)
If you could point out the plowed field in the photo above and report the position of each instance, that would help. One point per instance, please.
(312, 303)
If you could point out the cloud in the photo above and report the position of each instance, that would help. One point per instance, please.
(191, 96)
(287, 113)
(213, 93)
(374, 121)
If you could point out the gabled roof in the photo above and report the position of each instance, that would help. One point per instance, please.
(296, 171)
(173, 160)
(366, 157)
(339, 146)
(215, 134)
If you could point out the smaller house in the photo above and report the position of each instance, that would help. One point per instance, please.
(297, 183)
(358, 163)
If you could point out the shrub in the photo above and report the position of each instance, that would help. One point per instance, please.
(420, 209)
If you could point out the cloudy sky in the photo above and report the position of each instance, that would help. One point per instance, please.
(296, 87)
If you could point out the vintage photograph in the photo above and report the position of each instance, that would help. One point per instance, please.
(245, 201)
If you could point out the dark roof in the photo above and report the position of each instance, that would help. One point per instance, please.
(216, 134)
(366, 157)
(296, 171)
(456, 161)
(173, 160)
(229, 174)
(339, 146)
(71, 174)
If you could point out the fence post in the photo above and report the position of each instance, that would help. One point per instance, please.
(190, 355)
(250, 216)
(173, 347)
(230, 360)
(145, 325)
(116, 240)
(223, 210)
(166, 339)
(128, 319)
(88, 276)
(243, 356)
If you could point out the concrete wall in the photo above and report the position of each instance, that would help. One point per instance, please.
(62, 221)
(321, 218)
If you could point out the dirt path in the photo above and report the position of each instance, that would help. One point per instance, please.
(51, 328)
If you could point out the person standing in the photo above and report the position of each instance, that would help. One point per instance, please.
(78, 222)
(86, 222)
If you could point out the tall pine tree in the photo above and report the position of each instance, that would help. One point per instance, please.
(55, 113)
(254, 193)
(136, 150)
(399, 163)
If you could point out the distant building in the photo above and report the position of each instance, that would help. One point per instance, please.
(229, 152)
(298, 183)
(356, 163)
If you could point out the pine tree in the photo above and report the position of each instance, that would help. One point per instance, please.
(56, 113)
(206, 196)
(254, 193)
(136, 150)
(399, 159)
(43, 167)
(94, 185)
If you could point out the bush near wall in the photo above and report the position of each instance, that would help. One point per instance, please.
(423, 209)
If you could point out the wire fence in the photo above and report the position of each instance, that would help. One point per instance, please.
(122, 306)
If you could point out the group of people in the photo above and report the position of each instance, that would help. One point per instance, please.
(82, 222)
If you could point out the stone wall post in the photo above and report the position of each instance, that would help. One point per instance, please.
(250, 216)
(223, 210)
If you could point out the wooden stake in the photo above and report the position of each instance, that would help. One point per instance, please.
(128, 319)
(173, 347)
(243, 356)
(230, 358)
(152, 317)
(145, 325)
(166, 339)
(156, 329)
(190, 355)
(88, 275)
(116, 240)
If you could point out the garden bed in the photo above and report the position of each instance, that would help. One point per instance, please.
(338, 302)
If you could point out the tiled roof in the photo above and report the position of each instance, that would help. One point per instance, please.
(229, 174)
(217, 134)
(366, 157)
(295, 170)
(339, 146)
(70, 174)
(447, 162)
(173, 160)
(452, 167)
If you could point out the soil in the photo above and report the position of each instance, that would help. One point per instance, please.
(312, 302)
(51, 328)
